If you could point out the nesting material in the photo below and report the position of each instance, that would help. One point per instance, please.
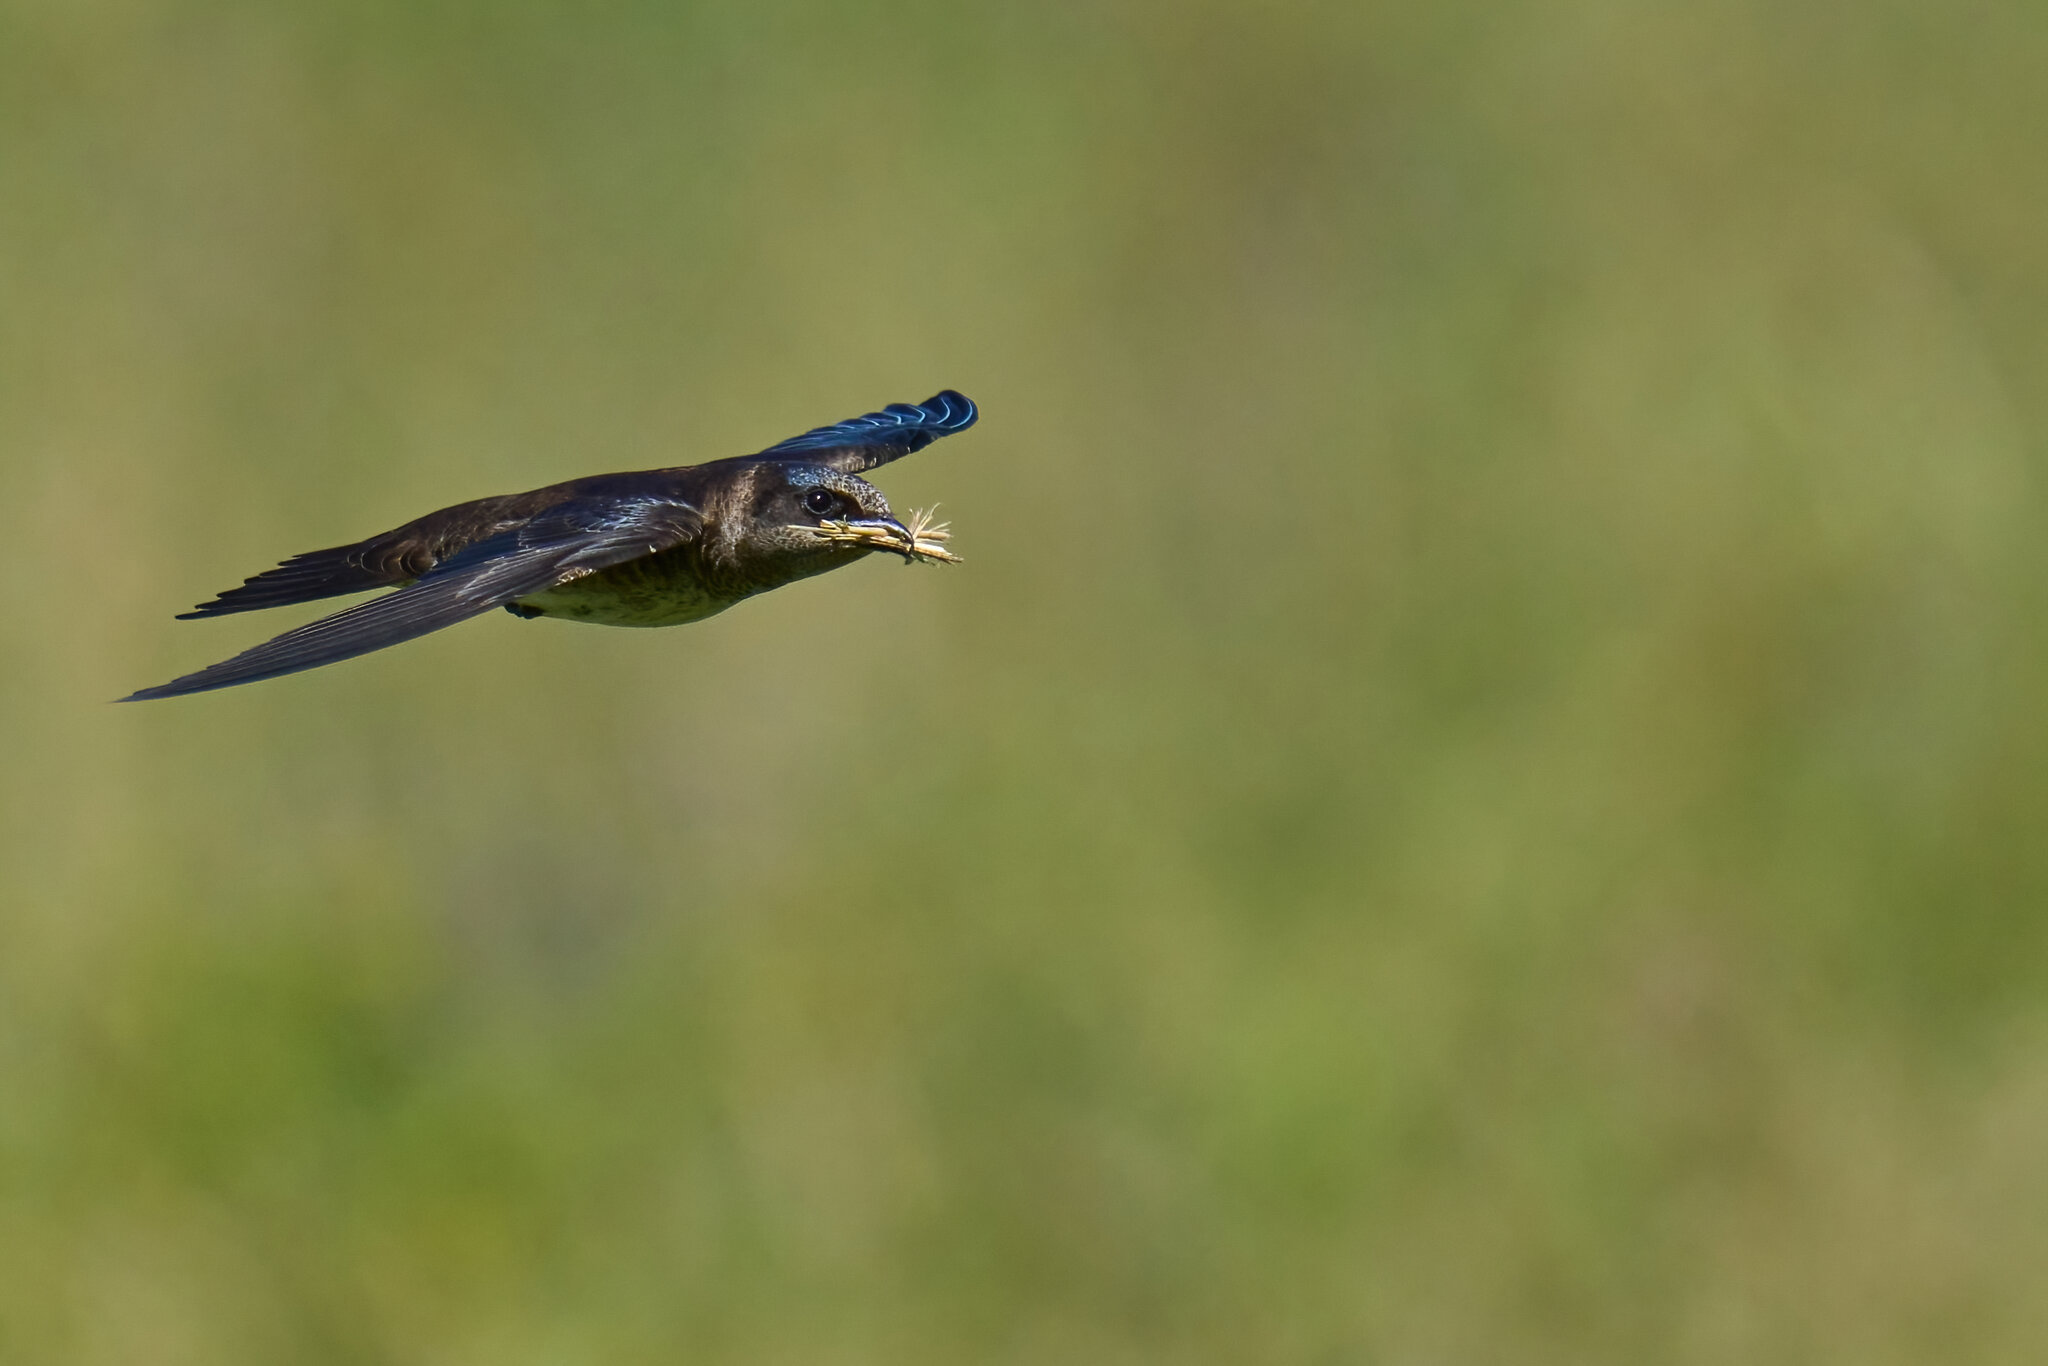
(927, 540)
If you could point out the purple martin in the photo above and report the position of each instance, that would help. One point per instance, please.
(647, 548)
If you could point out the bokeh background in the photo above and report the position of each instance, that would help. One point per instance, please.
(1479, 797)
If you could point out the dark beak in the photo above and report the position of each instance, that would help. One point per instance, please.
(895, 531)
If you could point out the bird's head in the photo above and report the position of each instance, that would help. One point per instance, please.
(807, 519)
(787, 503)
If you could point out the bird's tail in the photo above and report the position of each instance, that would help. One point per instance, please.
(309, 577)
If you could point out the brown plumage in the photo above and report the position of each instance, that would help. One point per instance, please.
(648, 548)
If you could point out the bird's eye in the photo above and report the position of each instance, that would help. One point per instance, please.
(821, 502)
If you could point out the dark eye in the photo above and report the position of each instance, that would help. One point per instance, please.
(821, 502)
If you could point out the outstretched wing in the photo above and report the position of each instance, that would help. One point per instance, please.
(572, 539)
(858, 444)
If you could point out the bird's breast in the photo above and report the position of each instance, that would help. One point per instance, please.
(660, 590)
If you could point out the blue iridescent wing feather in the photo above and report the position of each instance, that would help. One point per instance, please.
(861, 443)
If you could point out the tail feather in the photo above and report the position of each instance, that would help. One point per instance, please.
(309, 577)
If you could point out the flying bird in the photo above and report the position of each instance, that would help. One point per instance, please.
(647, 548)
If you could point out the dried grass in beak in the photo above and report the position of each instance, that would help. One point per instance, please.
(922, 538)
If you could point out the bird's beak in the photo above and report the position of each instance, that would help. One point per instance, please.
(891, 535)
(921, 540)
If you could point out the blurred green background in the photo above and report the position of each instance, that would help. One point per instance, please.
(1479, 798)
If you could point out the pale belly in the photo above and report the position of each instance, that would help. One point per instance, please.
(636, 594)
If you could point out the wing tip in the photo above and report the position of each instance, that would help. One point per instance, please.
(177, 687)
(955, 411)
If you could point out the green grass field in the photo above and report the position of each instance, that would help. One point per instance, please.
(1481, 796)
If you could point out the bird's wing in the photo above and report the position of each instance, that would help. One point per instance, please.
(858, 444)
(572, 539)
